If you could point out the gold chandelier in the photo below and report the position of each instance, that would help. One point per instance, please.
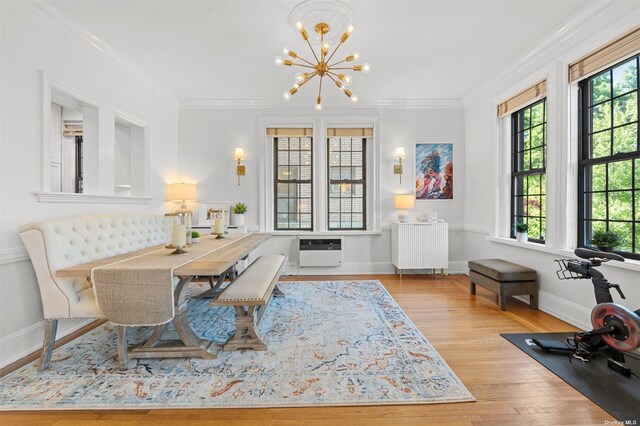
(322, 66)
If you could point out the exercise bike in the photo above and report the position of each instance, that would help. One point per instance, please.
(616, 329)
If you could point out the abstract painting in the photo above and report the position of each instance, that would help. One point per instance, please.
(434, 171)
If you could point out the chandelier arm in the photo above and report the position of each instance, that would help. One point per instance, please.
(337, 63)
(302, 65)
(345, 68)
(320, 86)
(304, 60)
(307, 80)
(312, 51)
(334, 51)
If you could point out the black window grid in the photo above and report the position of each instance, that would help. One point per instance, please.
(520, 200)
(587, 160)
(296, 215)
(347, 182)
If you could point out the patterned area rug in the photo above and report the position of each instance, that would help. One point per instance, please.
(329, 343)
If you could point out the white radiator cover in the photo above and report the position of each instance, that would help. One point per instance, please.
(420, 245)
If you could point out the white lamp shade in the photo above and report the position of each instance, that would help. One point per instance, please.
(239, 154)
(400, 153)
(182, 192)
(404, 201)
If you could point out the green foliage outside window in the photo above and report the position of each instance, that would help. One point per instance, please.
(612, 180)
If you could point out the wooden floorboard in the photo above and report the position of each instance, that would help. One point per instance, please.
(510, 387)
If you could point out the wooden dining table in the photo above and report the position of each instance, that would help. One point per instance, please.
(219, 263)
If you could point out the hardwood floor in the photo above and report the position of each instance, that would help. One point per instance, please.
(510, 387)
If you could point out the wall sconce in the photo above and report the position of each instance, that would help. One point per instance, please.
(397, 168)
(239, 156)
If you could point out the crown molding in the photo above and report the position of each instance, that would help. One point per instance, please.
(595, 9)
(69, 24)
(279, 104)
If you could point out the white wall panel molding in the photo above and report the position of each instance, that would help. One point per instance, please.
(296, 105)
(13, 255)
(72, 26)
(591, 12)
(64, 197)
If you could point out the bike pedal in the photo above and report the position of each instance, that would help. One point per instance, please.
(620, 368)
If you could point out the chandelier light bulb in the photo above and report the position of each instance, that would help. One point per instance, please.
(299, 77)
(325, 47)
(299, 25)
(286, 96)
(318, 107)
(350, 29)
(348, 79)
(278, 61)
(285, 50)
(354, 99)
(366, 68)
(356, 55)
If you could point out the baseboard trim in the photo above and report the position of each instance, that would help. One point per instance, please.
(24, 342)
(367, 268)
(563, 309)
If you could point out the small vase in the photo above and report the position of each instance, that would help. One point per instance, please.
(522, 237)
(239, 219)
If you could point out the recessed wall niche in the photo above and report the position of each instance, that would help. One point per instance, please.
(92, 150)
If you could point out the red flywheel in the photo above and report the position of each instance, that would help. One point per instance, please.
(627, 335)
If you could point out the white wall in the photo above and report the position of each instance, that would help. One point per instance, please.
(569, 300)
(208, 136)
(33, 42)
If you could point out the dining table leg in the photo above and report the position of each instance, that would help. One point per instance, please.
(189, 345)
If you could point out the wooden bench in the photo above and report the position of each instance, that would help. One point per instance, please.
(505, 279)
(249, 294)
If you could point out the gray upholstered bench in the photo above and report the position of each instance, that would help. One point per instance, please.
(249, 294)
(505, 279)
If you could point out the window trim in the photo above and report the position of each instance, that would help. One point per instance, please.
(583, 160)
(539, 171)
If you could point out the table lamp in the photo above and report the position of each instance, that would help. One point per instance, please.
(404, 202)
(183, 192)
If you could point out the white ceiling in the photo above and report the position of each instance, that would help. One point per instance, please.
(224, 50)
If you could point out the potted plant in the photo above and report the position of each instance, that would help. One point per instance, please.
(605, 240)
(239, 209)
(521, 232)
(195, 236)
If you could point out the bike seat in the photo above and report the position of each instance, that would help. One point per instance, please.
(597, 254)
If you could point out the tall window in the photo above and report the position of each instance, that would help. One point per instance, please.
(528, 188)
(347, 178)
(293, 160)
(609, 172)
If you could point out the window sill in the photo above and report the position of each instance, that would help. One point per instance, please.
(630, 264)
(68, 197)
(325, 233)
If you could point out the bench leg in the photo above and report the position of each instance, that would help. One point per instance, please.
(502, 301)
(50, 329)
(277, 292)
(472, 287)
(246, 336)
(533, 300)
(123, 356)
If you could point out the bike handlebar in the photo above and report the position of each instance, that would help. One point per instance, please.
(596, 254)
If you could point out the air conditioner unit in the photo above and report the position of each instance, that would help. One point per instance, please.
(320, 251)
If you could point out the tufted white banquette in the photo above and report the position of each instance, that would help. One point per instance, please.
(62, 243)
